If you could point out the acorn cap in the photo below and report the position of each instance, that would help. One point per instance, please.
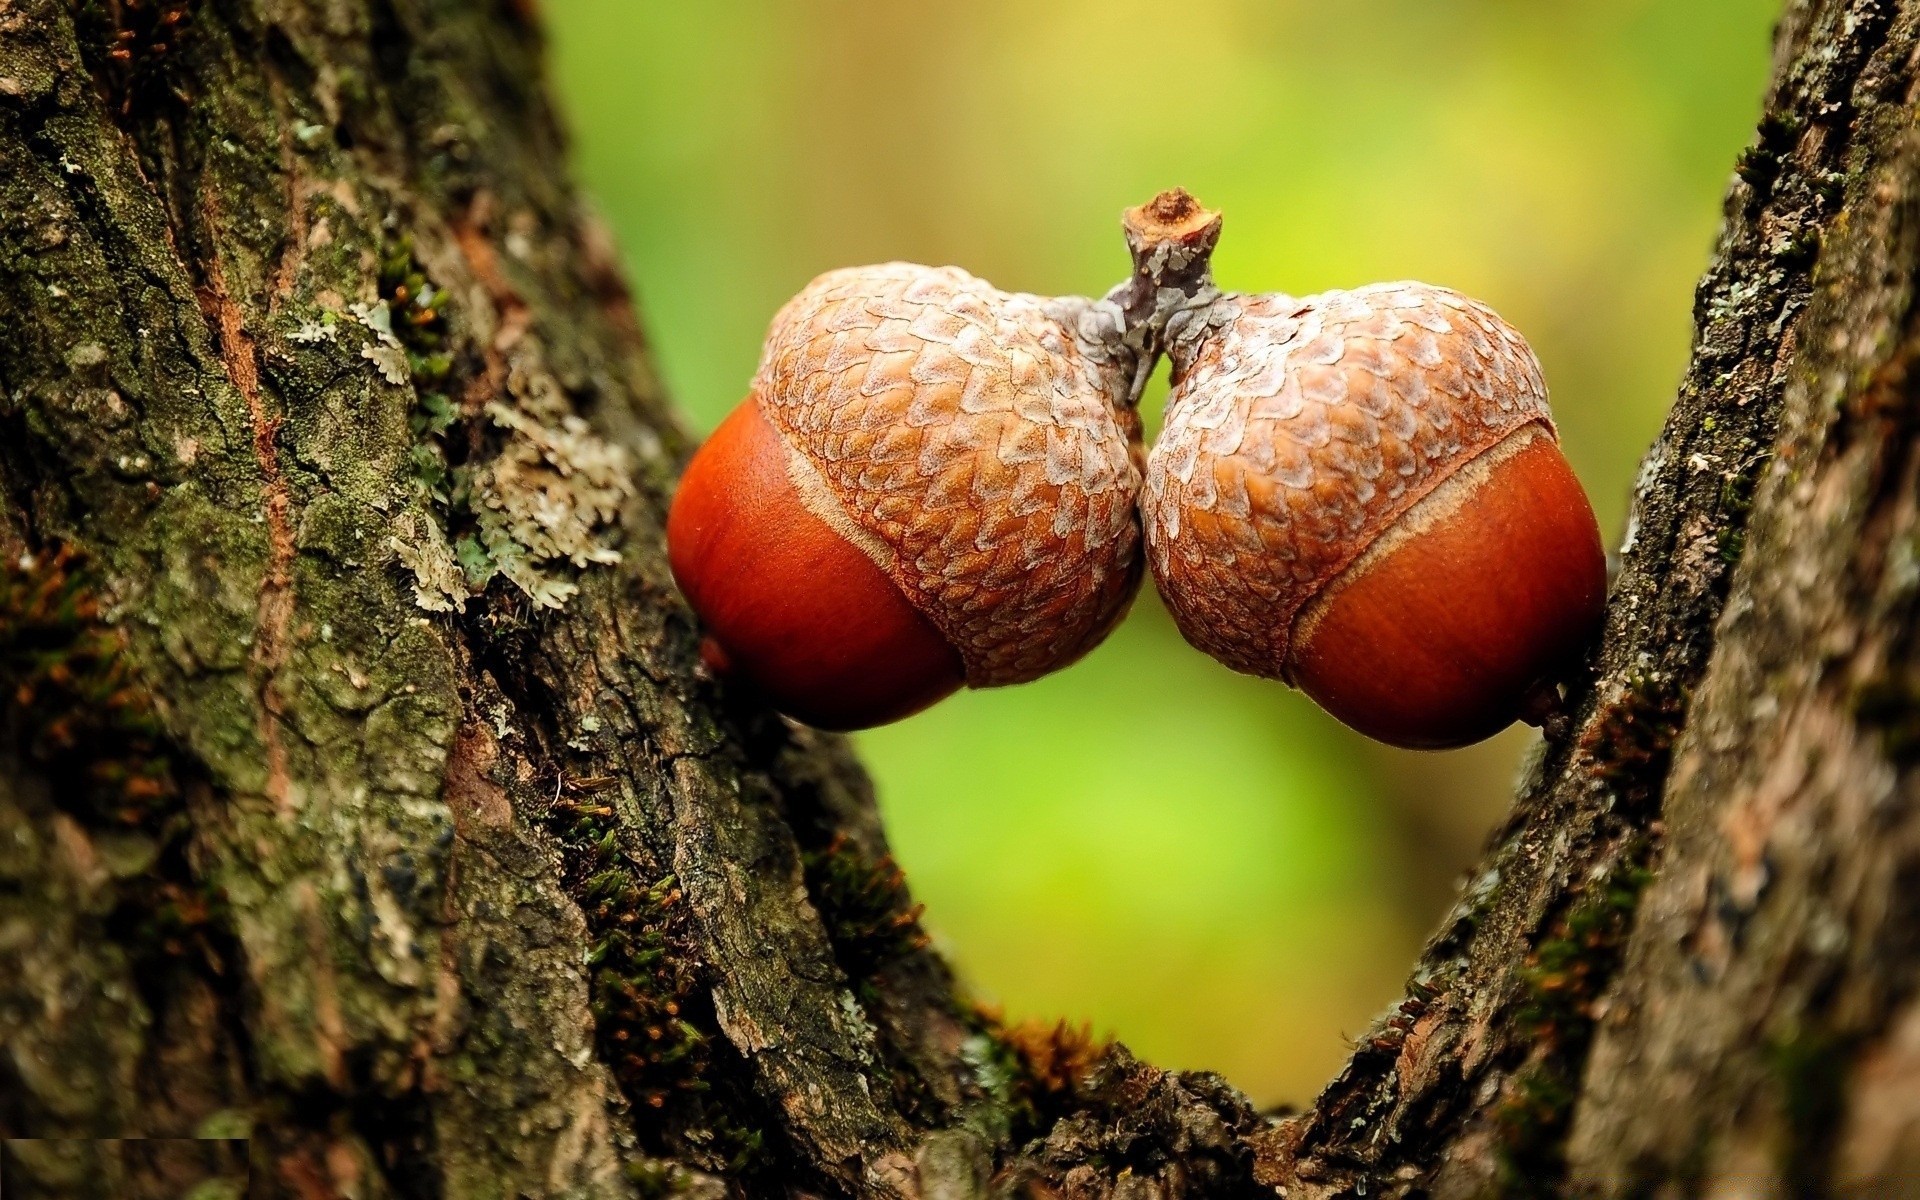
(1298, 430)
(968, 444)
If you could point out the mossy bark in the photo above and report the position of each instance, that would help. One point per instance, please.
(368, 824)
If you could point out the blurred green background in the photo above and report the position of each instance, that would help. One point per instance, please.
(1197, 862)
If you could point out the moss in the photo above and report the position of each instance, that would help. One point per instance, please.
(1053, 1058)
(653, 1022)
(652, 1179)
(1633, 740)
(167, 917)
(1758, 166)
(71, 700)
(1565, 972)
(1761, 163)
(76, 710)
(1736, 501)
(1780, 128)
(418, 319)
(227, 1124)
(1561, 980)
(1809, 1068)
(639, 993)
(869, 916)
(1031, 1072)
(410, 325)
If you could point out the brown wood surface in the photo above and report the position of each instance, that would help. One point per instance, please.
(504, 896)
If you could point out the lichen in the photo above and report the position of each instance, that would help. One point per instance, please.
(519, 489)
(439, 585)
(547, 497)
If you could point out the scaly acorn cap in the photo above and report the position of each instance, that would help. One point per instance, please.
(1298, 430)
(978, 445)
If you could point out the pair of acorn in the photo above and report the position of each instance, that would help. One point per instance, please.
(935, 483)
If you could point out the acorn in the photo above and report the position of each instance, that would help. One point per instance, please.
(931, 483)
(1361, 493)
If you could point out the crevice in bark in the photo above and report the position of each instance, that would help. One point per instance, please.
(131, 48)
(689, 1091)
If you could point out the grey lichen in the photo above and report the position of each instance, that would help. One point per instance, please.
(549, 496)
(386, 352)
(439, 585)
(540, 498)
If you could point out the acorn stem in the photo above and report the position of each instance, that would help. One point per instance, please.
(1171, 238)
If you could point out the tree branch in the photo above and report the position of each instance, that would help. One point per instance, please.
(409, 836)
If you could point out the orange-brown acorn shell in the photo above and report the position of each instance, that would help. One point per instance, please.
(1481, 592)
(798, 612)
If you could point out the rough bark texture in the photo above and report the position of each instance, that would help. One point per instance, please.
(314, 869)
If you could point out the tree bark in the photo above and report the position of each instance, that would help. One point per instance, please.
(315, 867)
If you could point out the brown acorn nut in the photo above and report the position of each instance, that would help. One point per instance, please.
(1361, 493)
(932, 482)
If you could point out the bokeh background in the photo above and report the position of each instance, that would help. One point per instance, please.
(1196, 862)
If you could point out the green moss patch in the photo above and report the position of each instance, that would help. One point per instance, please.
(864, 903)
(1562, 980)
(70, 699)
(654, 1024)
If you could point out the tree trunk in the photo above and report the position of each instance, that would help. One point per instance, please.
(316, 863)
